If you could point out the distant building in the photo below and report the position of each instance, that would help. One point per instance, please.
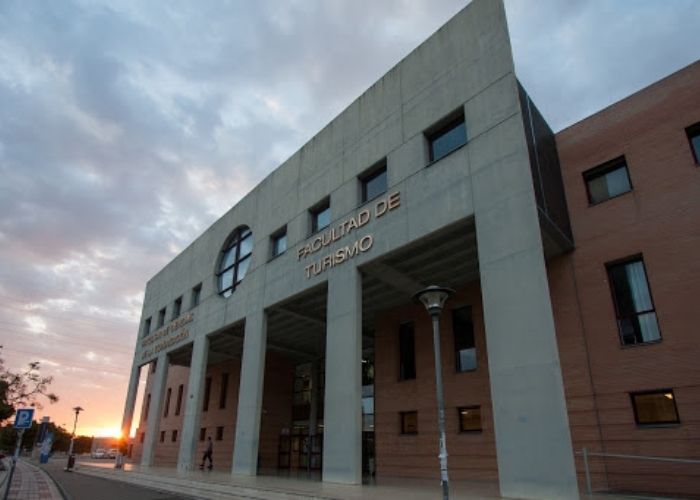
(287, 332)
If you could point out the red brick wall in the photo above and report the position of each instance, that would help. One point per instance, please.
(471, 455)
(277, 405)
(660, 219)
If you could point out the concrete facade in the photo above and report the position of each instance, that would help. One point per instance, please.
(489, 219)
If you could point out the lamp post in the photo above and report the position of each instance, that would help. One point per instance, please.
(434, 298)
(71, 458)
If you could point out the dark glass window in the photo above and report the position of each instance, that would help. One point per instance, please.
(178, 403)
(469, 418)
(196, 295)
(224, 390)
(177, 307)
(161, 318)
(207, 393)
(465, 349)
(409, 422)
(147, 327)
(202, 433)
(219, 433)
(447, 139)
(235, 260)
(147, 407)
(320, 216)
(162, 436)
(142, 437)
(694, 138)
(607, 180)
(636, 317)
(407, 352)
(279, 242)
(167, 402)
(374, 184)
(655, 407)
(174, 436)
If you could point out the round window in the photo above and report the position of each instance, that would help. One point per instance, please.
(235, 260)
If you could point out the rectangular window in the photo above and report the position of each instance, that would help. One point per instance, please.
(154, 364)
(655, 407)
(279, 242)
(607, 181)
(407, 352)
(374, 184)
(174, 436)
(693, 133)
(142, 437)
(409, 422)
(146, 407)
(161, 317)
(207, 393)
(167, 402)
(219, 433)
(196, 295)
(178, 403)
(636, 317)
(177, 307)
(224, 390)
(162, 436)
(447, 138)
(320, 216)
(469, 419)
(465, 349)
(147, 327)
(202, 433)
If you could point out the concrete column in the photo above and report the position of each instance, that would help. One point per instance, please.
(193, 404)
(533, 442)
(155, 410)
(342, 417)
(130, 402)
(250, 395)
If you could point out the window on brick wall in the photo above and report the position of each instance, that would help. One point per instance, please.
(469, 418)
(207, 393)
(219, 433)
(224, 390)
(162, 436)
(636, 316)
(167, 402)
(202, 433)
(409, 422)
(407, 352)
(655, 407)
(693, 133)
(607, 181)
(173, 438)
(465, 349)
(178, 403)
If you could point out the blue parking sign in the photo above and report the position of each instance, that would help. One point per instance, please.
(23, 418)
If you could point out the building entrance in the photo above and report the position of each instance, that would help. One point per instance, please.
(300, 451)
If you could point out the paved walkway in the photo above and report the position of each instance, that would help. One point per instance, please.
(29, 482)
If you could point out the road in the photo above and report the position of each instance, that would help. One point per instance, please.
(83, 487)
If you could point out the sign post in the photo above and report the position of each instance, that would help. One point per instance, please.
(23, 420)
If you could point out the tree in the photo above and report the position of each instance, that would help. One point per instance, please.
(23, 388)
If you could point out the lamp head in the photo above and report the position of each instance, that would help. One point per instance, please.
(434, 298)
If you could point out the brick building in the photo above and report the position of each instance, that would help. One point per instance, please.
(288, 334)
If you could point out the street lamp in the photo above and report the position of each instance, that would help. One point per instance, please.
(434, 298)
(71, 458)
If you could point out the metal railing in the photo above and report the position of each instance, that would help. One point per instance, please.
(587, 454)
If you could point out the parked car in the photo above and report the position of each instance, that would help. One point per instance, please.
(99, 453)
(112, 453)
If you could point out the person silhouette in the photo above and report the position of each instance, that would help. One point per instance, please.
(207, 454)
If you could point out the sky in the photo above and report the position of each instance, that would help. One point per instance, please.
(128, 127)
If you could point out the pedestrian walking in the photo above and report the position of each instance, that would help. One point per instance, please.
(207, 454)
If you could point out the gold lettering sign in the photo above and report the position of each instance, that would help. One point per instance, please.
(344, 228)
(163, 335)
